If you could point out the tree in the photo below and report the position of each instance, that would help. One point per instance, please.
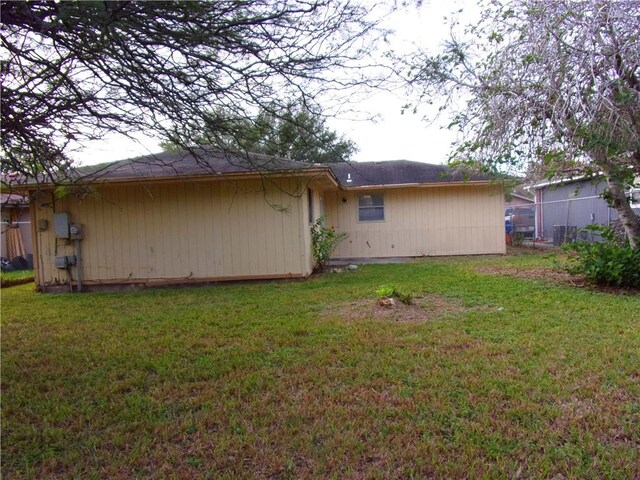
(75, 71)
(294, 132)
(547, 85)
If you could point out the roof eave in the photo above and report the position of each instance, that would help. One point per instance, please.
(523, 197)
(191, 178)
(560, 181)
(417, 185)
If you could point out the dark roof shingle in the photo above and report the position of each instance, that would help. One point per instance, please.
(210, 161)
(13, 200)
(200, 161)
(398, 172)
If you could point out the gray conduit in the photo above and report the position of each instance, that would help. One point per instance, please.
(79, 265)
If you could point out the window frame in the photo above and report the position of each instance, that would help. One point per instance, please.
(371, 207)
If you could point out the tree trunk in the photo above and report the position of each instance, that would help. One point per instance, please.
(630, 221)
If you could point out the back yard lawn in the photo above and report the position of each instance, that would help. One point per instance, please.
(488, 376)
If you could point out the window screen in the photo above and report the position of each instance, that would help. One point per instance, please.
(371, 208)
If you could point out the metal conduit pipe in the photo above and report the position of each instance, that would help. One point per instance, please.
(79, 265)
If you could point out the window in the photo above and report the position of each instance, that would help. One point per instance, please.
(310, 202)
(371, 208)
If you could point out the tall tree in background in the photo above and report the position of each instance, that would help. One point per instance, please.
(293, 132)
(75, 71)
(547, 85)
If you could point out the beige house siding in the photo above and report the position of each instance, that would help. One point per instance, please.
(448, 220)
(182, 231)
(215, 229)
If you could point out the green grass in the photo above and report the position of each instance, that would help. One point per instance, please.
(529, 379)
(16, 277)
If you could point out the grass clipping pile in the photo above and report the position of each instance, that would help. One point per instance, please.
(420, 309)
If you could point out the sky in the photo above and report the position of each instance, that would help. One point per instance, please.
(392, 136)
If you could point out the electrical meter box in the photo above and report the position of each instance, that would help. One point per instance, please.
(64, 261)
(76, 231)
(61, 224)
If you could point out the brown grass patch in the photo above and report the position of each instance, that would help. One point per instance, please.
(555, 275)
(552, 275)
(421, 309)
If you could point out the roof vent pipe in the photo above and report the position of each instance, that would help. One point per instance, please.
(349, 178)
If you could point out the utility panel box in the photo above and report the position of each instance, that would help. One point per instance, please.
(61, 225)
(43, 224)
(64, 261)
(76, 231)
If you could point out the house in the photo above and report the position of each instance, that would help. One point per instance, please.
(519, 197)
(208, 216)
(16, 226)
(568, 205)
(519, 214)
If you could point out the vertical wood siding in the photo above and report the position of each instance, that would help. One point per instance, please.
(182, 230)
(454, 220)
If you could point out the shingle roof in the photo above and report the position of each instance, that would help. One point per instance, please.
(201, 161)
(204, 161)
(519, 191)
(13, 200)
(398, 172)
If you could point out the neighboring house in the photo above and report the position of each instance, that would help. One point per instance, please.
(568, 205)
(519, 197)
(519, 213)
(16, 226)
(173, 218)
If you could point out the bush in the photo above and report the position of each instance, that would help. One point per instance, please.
(609, 262)
(517, 239)
(324, 242)
(391, 291)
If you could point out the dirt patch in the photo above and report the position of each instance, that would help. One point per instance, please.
(535, 273)
(553, 275)
(422, 309)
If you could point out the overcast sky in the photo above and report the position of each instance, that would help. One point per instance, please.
(393, 136)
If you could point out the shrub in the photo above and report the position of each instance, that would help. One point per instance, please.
(324, 242)
(517, 239)
(609, 262)
(391, 291)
